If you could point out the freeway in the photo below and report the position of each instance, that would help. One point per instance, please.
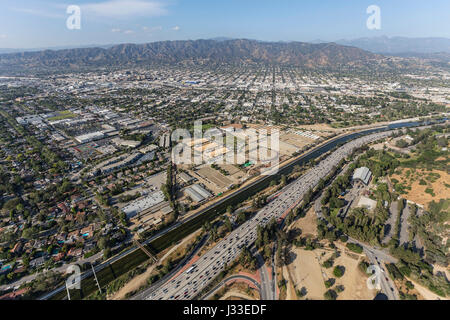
(248, 188)
(88, 274)
(159, 283)
(187, 285)
(266, 288)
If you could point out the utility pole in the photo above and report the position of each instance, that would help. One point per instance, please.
(96, 280)
(68, 292)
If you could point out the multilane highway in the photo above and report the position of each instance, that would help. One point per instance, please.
(187, 285)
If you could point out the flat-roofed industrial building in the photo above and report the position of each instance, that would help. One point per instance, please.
(186, 178)
(143, 204)
(198, 193)
(90, 137)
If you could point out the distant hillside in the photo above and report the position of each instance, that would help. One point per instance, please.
(18, 50)
(399, 45)
(325, 55)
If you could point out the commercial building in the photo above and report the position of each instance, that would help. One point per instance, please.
(121, 164)
(126, 143)
(186, 178)
(90, 137)
(117, 163)
(362, 174)
(197, 193)
(138, 206)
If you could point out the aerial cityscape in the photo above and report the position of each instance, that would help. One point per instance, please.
(238, 168)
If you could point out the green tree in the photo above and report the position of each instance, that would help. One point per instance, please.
(330, 295)
(338, 271)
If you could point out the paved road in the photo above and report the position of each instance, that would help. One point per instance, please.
(162, 233)
(376, 256)
(387, 285)
(167, 277)
(266, 283)
(187, 285)
(393, 210)
(61, 269)
(404, 229)
(274, 273)
(235, 277)
(89, 273)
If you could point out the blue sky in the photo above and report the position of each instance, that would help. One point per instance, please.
(42, 23)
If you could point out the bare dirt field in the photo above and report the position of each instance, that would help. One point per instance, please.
(318, 127)
(264, 127)
(308, 224)
(295, 140)
(290, 285)
(306, 270)
(287, 148)
(378, 146)
(354, 280)
(417, 193)
(231, 169)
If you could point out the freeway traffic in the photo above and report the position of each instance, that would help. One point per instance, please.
(188, 285)
(200, 215)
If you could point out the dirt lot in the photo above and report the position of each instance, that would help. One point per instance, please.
(231, 169)
(318, 127)
(290, 285)
(306, 271)
(295, 140)
(215, 177)
(287, 148)
(417, 193)
(354, 280)
(308, 224)
(264, 127)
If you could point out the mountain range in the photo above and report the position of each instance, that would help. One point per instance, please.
(195, 52)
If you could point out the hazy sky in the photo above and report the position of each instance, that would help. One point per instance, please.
(42, 23)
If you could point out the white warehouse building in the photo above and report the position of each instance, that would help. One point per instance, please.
(198, 193)
(90, 137)
(363, 174)
(143, 204)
